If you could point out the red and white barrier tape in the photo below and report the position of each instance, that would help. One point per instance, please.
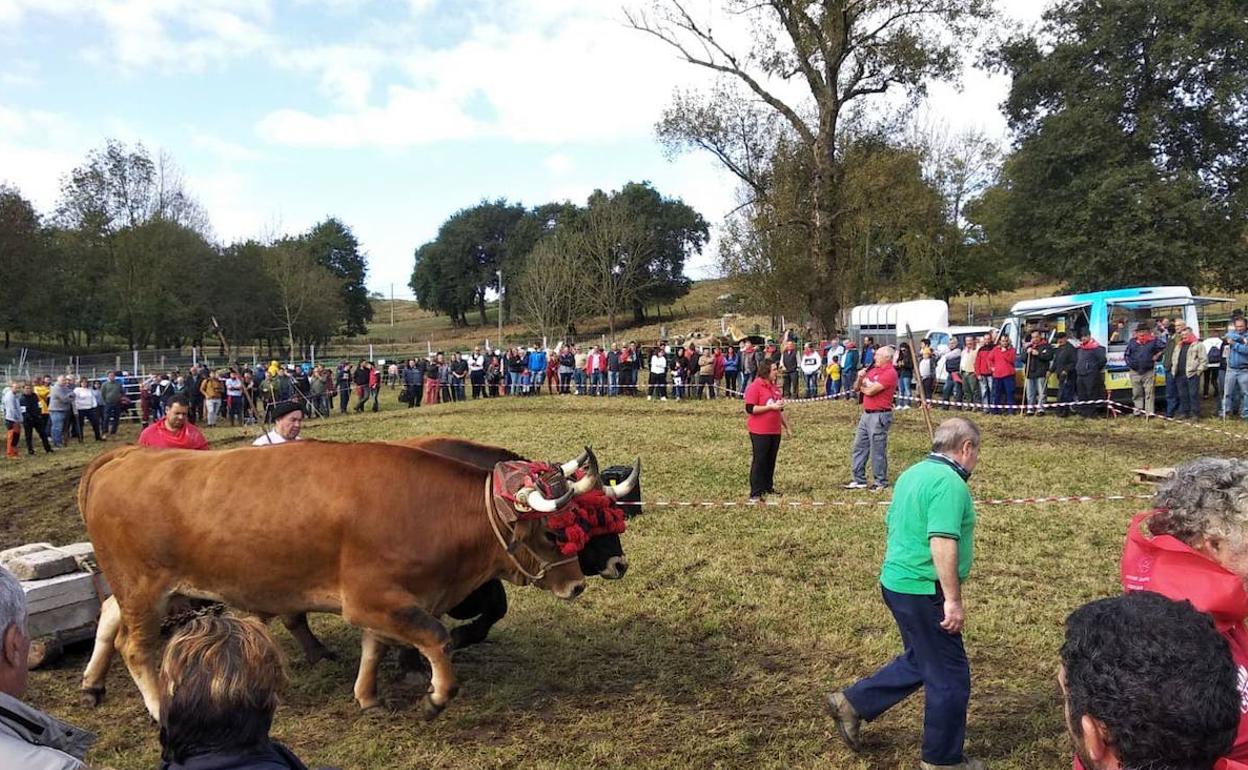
(774, 503)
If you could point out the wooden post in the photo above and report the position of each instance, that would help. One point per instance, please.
(914, 358)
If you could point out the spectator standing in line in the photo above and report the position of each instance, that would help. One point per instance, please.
(658, 375)
(1215, 373)
(374, 384)
(983, 371)
(1064, 360)
(42, 389)
(234, 397)
(952, 363)
(459, 373)
(476, 373)
(212, 389)
(343, 379)
(414, 381)
(790, 363)
(832, 376)
(444, 379)
(930, 535)
(60, 408)
(627, 380)
(174, 431)
(1174, 331)
(868, 352)
(749, 364)
(732, 370)
(537, 368)
(392, 374)
(1143, 352)
(717, 375)
(29, 738)
(432, 372)
(85, 410)
(580, 372)
(598, 372)
(877, 386)
(219, 684)
(927, 371)
(706, 374)
(360, 379)
(849, 366)
(1236, 370)
(1089, 373)
(970, 381)
(1039, 357)
(1188, 363)
(318, 390)
(11, 408)
(567, 369)
(1003, 368)
(765, 421)
(810, 364)
(112, 392)
(1147, 682)
(32, 420)
(613, 370)
(243, 403)
(905, 375)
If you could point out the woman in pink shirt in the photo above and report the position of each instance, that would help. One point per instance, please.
(764, 406)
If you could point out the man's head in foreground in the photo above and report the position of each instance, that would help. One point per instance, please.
(1147, 683)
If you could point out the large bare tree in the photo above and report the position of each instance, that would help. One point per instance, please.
(834, 54)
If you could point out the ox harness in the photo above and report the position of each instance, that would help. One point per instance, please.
(583, 517)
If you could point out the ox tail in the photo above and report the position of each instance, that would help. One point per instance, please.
(84, 484)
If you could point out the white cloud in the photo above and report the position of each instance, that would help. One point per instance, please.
(559, 164)
(223, 150)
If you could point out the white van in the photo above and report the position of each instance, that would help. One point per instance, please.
(886, 324)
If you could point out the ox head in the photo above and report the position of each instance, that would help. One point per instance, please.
(526, 496)
(603, 555)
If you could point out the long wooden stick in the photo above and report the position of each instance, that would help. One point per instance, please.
(914, 358)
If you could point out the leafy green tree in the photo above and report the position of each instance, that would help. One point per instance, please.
(1129, 165)
(334, 245)
(21, 257)
(814, 62)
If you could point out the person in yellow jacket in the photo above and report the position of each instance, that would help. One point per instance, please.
(832, 372)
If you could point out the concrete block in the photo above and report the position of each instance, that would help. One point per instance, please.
(39, 565)
(61, 591)
(82, 553)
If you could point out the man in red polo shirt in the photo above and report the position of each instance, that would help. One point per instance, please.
(877, 386)
(175, 431)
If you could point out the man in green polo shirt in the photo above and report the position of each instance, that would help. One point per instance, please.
(931, 524)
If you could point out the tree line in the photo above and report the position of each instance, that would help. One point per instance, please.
(128, 256)
(561, 262)
(1126, 166)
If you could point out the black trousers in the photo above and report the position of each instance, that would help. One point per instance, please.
(36, 426)
(1089, 387)
(478, 383)
(765, 448)
(790, 384)
(92, 416)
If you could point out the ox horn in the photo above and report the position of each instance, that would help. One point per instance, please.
(570, 466)
(625, 487)
(590, 479)
(537, 502)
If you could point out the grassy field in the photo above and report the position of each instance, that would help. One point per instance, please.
(717, 647)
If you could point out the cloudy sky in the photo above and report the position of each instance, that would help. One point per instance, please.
(390, 115)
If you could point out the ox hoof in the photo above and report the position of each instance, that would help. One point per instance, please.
(91, 696)
(316, 656)
(370, 706)
(429, 710)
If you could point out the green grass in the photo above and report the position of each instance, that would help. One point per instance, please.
(715, 649)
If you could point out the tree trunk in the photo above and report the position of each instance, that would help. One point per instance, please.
(825, 303)
(639, 313)
(481, 307)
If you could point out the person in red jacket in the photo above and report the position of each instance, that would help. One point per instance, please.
(1193, 546)
(174, 431)
(1002, 359)
(983, 370)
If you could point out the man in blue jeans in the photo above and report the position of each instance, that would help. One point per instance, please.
(931, 525)
(1236, 369)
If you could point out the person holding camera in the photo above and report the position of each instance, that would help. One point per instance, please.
(764, 405)
(1236, 369)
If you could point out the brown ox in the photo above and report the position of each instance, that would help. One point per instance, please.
(167, 521)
